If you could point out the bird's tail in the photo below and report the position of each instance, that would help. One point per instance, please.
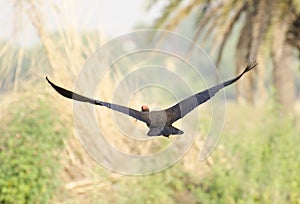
(165, 131)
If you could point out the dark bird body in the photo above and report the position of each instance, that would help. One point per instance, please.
(159, 122)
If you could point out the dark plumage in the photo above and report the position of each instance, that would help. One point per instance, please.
(159, 122)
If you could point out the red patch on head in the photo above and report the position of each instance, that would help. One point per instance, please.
(145, 108)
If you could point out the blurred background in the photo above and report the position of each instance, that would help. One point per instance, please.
(257, 158)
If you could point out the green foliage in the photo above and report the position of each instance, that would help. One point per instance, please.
(256, 161)
(261, 165)
(163, 187)
(28, 170)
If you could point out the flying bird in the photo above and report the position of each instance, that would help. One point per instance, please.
(159, 122)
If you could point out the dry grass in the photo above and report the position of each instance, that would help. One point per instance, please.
(84, 180)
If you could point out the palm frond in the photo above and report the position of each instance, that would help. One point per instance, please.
(150, 4)
(181, 14)
(205, 22)
(167, 11)
(227, 32)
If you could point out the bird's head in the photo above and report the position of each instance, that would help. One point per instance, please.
(145, 108)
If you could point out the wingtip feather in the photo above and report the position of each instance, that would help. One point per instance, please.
(251, 65)
(48, 80)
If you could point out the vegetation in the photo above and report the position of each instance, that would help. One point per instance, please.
(259, 162)
(268, 32)
(256, 160)
(29, 145)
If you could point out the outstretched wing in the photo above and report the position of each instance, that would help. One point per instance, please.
(139, 115)
(185, 106)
